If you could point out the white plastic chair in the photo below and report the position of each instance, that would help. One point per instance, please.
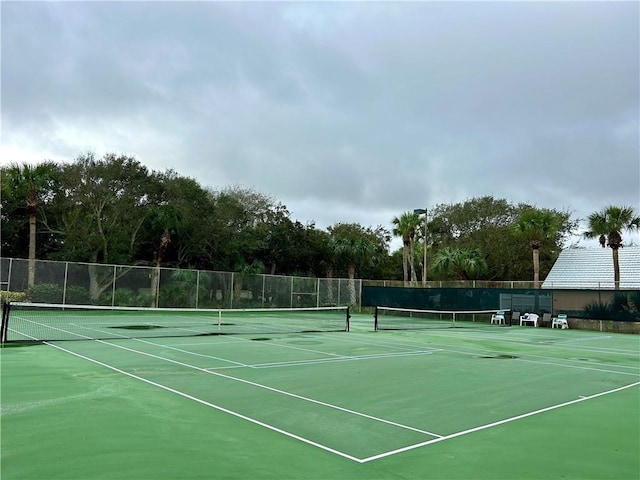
(498, 318)
(529, 318)
(560, 321)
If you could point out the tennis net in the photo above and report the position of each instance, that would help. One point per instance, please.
(44, 322)
(394, 318)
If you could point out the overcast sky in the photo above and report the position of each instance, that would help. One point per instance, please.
(344, 112)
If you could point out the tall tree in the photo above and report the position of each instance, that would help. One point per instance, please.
(535, 226)
(405, 226)
(178, 219)
(32, 185)
(238, 230)
(279, 238)
(322, 260)
(607, 225)
(103, 205)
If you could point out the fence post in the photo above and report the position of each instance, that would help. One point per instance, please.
(64, 286)
(197, 286)
(113, 288)
(9, 279)
(232, 289)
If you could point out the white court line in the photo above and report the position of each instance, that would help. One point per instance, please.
(579, 367)
(593, 349)
(403, 343)
(234, 363)
(272, 389)
(255, 384)
(79, 335)
(581, 339)
(337, 357)
(226, 410)
(195, 354)
(336, 360)
(438, 438)
(518, 338)
(495, 424)
(474, 351)
(209, 404)
(291, 363)
(280, 345)
(93, 327)
(558, 362)
(322, 361)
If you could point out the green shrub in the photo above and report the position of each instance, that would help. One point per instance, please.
(76, 295)
(13, 296)
(175, 295)
(142, 300)
(45, 293)
(125, 297)
(623, 307)
(598, 311)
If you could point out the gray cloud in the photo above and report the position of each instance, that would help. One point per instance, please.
(343, 111)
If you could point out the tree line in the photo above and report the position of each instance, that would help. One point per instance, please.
(115, 210)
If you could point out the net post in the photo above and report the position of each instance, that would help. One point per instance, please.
(375, 319)
(5, 321)
(348, 318)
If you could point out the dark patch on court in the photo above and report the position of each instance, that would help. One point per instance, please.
(138, 327)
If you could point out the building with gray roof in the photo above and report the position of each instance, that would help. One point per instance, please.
(592, 268)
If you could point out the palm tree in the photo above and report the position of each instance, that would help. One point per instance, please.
(356, 247)
(462, 263)
(406, 226)
(536, 226)
(607, 225)
(164, 218)
(31, 184)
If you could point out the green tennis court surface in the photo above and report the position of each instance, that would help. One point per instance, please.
(491, 402)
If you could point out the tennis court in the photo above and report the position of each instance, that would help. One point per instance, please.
(480, 401)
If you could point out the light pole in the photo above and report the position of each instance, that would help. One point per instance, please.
(420, 211)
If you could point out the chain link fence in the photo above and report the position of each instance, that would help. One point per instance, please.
(74, 283)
